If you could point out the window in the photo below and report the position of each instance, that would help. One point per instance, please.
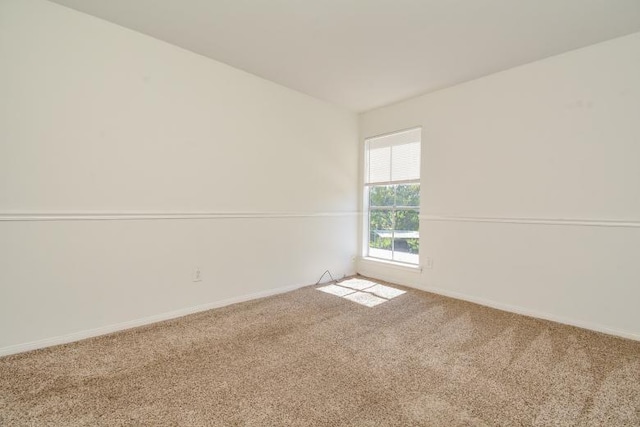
(392, 196)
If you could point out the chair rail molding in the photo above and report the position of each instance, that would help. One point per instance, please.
(161, 215)
(577, 222)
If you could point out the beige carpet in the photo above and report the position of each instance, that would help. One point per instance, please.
(310, 358)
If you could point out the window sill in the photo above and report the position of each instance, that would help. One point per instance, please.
(414, 268)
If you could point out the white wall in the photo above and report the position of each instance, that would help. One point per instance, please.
(97, 120)
(531, 187)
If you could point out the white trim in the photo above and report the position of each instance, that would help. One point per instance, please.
(415, 284)
(537, 221)
(103, 330)
(382, 135)
(414, 268)
(531, 313)
(397, 182)
(136, 216)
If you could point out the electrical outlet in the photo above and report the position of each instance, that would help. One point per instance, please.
(428, 263)
(197, 275)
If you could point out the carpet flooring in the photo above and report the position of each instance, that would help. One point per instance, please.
(309, 358)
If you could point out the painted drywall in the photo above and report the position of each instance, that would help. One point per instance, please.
(531, 187)
(106, 135)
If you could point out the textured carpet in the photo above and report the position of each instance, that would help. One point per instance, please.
(311, 358)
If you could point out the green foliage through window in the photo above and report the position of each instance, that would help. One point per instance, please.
(394, 217)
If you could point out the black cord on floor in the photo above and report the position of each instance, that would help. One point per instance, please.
(332, 279)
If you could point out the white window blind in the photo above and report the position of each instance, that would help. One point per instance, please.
(394, 157)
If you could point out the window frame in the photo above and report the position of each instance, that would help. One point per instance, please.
(366, 187)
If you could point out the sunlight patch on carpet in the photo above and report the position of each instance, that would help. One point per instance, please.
(362, 292)
(336, 290)
(385, 291)
(365, 299)
(357, 284)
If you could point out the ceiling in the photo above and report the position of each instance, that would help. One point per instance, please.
(363, 54)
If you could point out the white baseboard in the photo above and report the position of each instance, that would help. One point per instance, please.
(531, 313)
(103, 330)
(413, 281)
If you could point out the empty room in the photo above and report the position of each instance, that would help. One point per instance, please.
(320, 213)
